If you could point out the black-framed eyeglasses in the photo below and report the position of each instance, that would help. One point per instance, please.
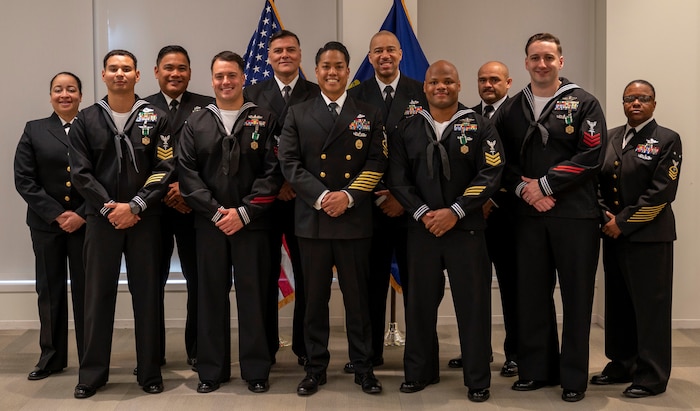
(641, 97)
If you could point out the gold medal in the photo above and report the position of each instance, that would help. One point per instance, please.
(464, 149)
(358, 144)
(254, 145)
(145, 141)
(569, 129)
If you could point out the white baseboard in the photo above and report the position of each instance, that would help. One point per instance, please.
(18, 308)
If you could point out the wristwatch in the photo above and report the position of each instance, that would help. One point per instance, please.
(135, 208)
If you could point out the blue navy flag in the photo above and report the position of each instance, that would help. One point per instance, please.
(413, 63)
(257, 67)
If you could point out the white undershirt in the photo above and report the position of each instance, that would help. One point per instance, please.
(440, 128)
(229, 117)
(540, 102)
(120, 120)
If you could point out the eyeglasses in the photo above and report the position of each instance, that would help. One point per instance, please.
(642, 98)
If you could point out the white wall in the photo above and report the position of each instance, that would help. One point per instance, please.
(204, 28)
(470, 33)
(659, 42)
(38, 40)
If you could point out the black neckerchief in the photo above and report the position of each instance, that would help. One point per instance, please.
(435, 141)
(121, 136)
(231, 151)
(528, 106)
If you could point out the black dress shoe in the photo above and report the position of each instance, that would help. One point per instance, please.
(309, 385)
(156, 388)
(603, 379)
(479, 395)
(193, 364)
(529, 385)
(205, 387)
(455, 363)
(84, 391)
(509, 369)
(637, 391)
(369, 383)
(415, 386)
(39, 374)
(162, 363)
(349, 368)
(572, 396)
(302, 360)
(258, 386)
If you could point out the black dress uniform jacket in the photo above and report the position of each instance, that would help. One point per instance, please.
(409, 99)
(317, 154)
(564, 148)
(147, 157)
(42, 178)
(208, 185)
(42, 174)
(639, 182)
(472, 154)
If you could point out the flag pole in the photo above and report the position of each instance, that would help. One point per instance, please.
(393, 337)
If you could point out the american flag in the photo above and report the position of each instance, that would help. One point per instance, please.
(257, 67)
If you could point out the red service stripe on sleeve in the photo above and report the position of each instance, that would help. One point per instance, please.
(591, 140)
(569, 169)
(263, 200)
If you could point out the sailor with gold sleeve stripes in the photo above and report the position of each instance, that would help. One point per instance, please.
(637, 184)
(333, 153)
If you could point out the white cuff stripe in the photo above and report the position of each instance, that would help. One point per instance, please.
(104, 210)
(244, 215)
(419, 213)
(216, 217)
(458, 210)
(545, 186)
(138, 200)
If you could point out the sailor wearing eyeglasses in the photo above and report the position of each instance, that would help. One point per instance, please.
(638, 182)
